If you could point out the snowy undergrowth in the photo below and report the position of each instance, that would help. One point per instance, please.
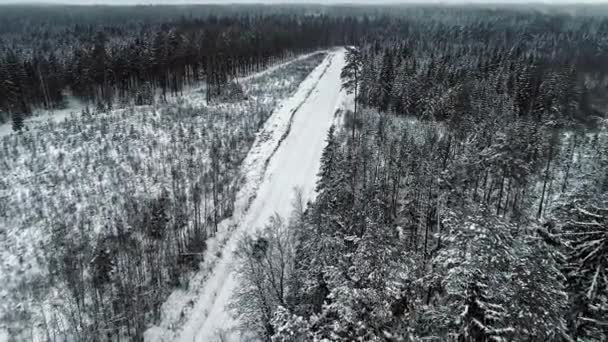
(66, 185)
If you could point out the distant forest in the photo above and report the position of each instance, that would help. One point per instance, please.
(108, 55)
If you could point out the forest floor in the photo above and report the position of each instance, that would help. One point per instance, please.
(285, 156)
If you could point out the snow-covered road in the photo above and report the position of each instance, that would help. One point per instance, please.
(294, 162)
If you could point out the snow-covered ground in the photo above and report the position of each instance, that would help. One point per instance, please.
(286, 155)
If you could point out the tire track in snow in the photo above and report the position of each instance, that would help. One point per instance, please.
(287, 130)
(293, 114)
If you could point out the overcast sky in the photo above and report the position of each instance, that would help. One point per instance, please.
(133, 2)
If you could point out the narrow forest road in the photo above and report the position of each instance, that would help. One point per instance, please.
(295, 163)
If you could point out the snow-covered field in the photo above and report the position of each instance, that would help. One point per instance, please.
(66, 176)
(286, 155)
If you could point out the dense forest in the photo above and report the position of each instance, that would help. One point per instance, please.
(462, 198)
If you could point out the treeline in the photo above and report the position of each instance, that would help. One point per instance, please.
(466, 201)
(126, 63)
(105, 55)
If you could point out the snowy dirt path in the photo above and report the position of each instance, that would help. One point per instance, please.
(294, 163)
